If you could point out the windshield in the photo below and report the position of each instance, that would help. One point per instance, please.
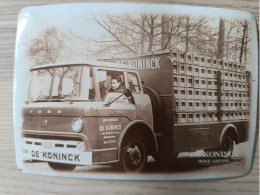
(63, 83)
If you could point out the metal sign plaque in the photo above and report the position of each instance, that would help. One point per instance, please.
(135, 91)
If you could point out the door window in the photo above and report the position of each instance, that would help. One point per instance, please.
(133, 82)
(110, 82)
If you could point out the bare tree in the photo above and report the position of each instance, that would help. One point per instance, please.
(129, 35)
(194, 35)
(47, 47)
(187, 34)
(165, 31)
(243, 47)
(221, 38)
(137, 34)
(236, 42)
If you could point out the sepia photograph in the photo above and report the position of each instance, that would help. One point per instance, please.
(135, 91)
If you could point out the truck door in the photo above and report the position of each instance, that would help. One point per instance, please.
(113, 116)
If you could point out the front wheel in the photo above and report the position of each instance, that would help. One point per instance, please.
(61, 167)
(133, 155)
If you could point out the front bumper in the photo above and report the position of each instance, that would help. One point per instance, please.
(59, 151)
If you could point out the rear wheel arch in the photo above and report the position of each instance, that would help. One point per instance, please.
(156, 106)
(231, 131)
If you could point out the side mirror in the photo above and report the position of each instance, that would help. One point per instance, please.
(127, 93)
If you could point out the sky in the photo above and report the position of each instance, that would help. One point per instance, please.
(77, 22)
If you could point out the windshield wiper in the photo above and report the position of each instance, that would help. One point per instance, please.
(40, 100)
(50, 100)
(60, 100)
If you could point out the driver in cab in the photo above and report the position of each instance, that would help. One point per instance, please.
(116, 85)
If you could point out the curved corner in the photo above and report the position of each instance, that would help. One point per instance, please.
(225, 130)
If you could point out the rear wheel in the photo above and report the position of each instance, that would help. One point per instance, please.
(227, 144)
(133, 155)
(61, 167)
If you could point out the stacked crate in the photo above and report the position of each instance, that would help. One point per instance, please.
(196, 89)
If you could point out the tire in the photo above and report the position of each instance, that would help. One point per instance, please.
(133, 155)
(227, 144)
(61, 167)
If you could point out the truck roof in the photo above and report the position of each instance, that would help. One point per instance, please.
(88, 63)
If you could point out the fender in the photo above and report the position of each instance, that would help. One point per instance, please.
(225, 130)
(156, 94)
(128, 126)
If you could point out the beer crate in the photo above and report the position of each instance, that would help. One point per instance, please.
(208, 62)
(225, 67)
(203, 72)
(190, 118)
(190, 93)
(196, 71)
(203, 83)
(202, 61)
(197, 94)
(215, 63)
(210, 105)
(210, 83)
(197, 105)
(182, 81)
(175, 81)
(190, 70)
(190, 105)
(189, 59)
(183, 105)
(182, 117)
(203, 117)
(197, 118)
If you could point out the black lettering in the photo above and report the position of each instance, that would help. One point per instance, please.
(55, 156)
(70, 156)
(44, 155)
(76, 158)
(33, 153)
(49, 155)
(64, 157)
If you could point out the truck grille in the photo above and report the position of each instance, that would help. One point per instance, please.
(44, 143)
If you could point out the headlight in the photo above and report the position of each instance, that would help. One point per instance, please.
(77, 125)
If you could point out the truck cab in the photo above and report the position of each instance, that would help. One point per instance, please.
(75, 116)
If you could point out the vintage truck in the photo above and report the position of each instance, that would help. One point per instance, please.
(72, 118)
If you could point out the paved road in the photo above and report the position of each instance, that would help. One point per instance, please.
(185, 167)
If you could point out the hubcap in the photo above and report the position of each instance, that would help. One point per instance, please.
(134, 155)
